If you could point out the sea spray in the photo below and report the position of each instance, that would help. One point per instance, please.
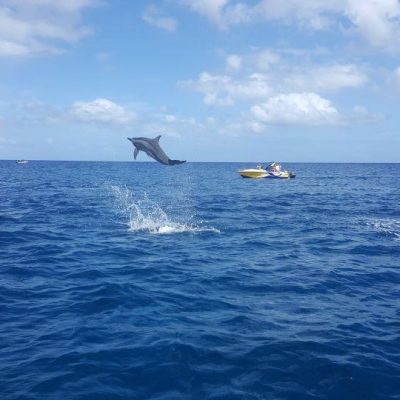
(388, 227)
(145, 215)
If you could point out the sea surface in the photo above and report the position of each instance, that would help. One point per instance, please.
(140, 281)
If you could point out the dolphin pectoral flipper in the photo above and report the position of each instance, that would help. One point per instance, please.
(135, 153)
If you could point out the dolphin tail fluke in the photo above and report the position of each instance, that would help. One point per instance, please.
(135, 153)
(175, 162)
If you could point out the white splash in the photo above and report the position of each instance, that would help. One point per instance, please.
(146, 215)
(390, 227)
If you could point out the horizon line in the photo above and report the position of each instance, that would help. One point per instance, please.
(230, 162)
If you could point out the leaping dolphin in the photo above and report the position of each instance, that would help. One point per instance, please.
(152, 148)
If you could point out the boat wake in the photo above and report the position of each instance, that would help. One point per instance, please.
(147, 216)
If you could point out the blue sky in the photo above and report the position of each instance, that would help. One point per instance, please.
(220, 80)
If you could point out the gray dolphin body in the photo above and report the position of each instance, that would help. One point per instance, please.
(152, 148)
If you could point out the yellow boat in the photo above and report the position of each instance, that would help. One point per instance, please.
(255, 173)
(273, 170)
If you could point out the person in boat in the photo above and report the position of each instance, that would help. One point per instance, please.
(274, 167)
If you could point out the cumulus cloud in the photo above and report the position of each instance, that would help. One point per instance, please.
(223, 90)
(296, 108)
(30, 27)
(376, 22)
(295, 71)
(155, 17)
(101, 110)
(101, 114)
(249, 81)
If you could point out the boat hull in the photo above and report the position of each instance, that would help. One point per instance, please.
(262, 173)
(254, 173)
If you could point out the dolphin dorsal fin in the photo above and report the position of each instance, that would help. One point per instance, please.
(158, 138)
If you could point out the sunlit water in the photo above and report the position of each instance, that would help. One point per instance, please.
(139, 281)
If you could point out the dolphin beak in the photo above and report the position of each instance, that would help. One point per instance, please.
(129, 139)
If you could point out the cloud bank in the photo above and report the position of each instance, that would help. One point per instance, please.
(29, 27)
(374, 22)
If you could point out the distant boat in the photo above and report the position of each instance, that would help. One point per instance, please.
(273, 170)
(22, 161)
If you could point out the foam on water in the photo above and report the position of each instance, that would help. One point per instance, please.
(389, 227)
(147, 216)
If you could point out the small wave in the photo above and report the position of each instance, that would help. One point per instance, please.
(146, 215)
(179, 228)
(389, 227)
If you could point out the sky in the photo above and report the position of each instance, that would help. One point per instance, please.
(220, 80)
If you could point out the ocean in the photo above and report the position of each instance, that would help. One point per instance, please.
(139, 281)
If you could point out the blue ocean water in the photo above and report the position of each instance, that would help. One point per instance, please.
(139, 281)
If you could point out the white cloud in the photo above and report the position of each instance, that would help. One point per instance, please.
(222, 90)
(101, 110)
(170, 118)
(102, 113)
(295, 72)
(325, 78)
(233, 62)
(30, 27)
(296, 108)
(315, 14)
(225, 13)
(211, 9)
(154, 16)
(252, 83)
(256, 127)
(376, 22)
(266, 58)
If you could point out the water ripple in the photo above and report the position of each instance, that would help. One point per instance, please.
(133, 281)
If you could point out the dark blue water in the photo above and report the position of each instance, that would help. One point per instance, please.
(139, 281)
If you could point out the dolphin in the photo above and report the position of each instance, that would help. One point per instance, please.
(152, 148)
